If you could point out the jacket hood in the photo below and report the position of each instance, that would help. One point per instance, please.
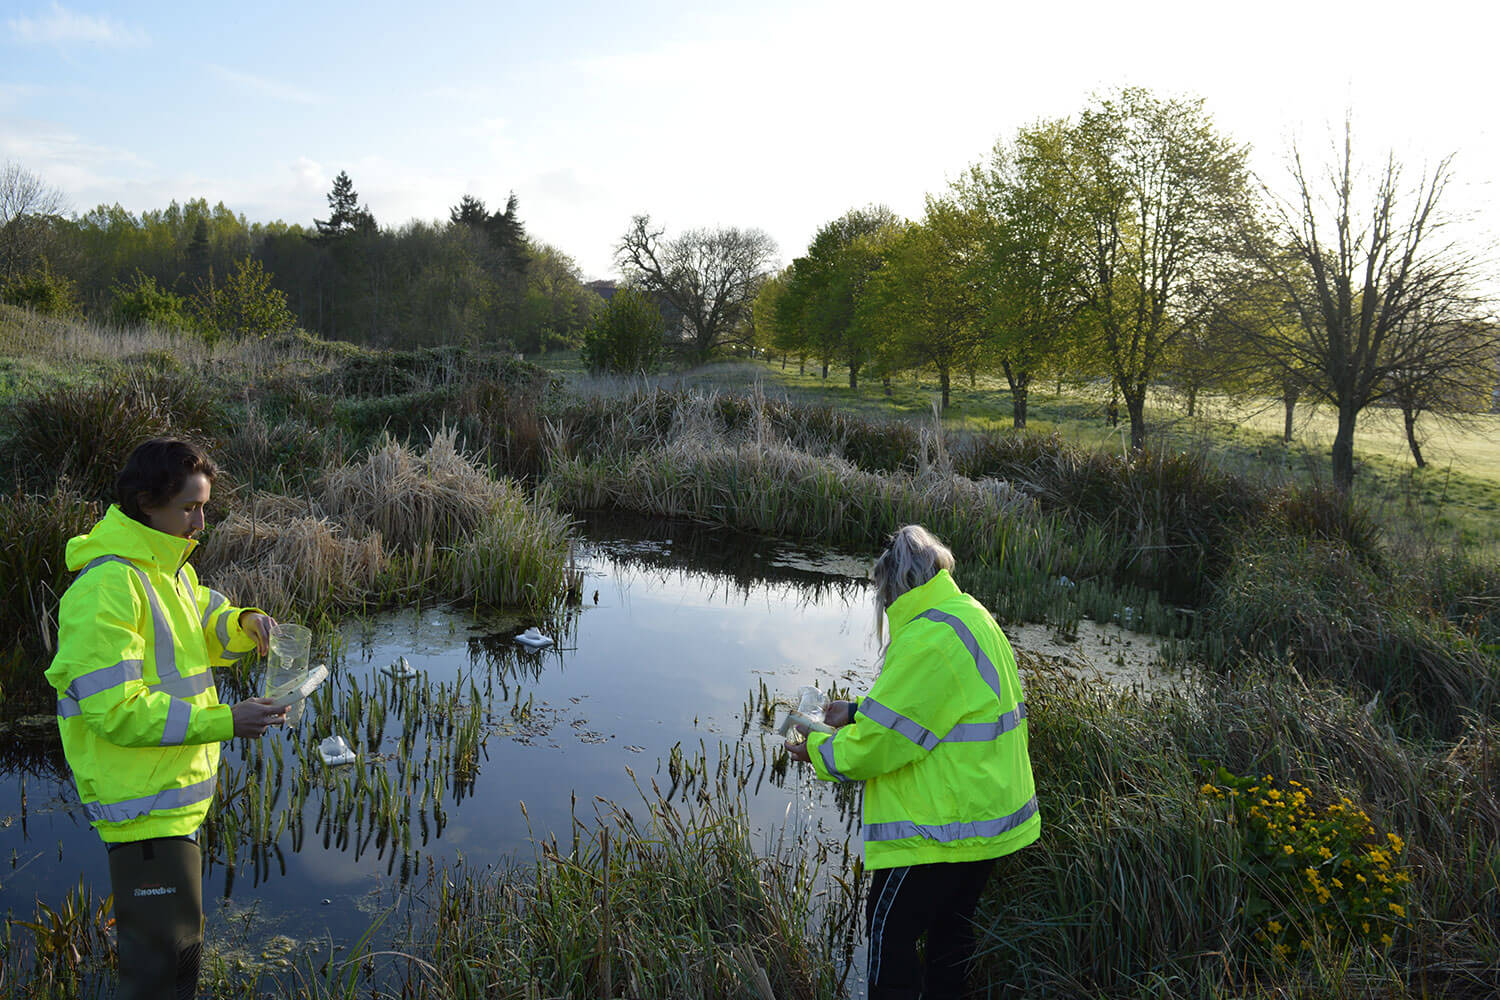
(118, 534)
(903, 609)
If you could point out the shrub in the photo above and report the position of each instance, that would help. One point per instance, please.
(626, 336)
(42, 291)
(143, 303)
(246, 304)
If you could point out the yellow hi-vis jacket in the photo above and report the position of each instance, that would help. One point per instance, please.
(140, 718)
(940, 741)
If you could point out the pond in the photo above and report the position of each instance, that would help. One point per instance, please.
(665, 675)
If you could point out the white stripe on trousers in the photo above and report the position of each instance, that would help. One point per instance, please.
(877, 920)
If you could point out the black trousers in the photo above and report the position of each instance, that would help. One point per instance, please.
(158, 887)
(904, 903)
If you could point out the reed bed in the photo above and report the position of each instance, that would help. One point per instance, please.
(395, 525)
(1016, 558)
(1141, 887)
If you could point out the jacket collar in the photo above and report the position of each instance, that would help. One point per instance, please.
(118, 534)
(917, 600)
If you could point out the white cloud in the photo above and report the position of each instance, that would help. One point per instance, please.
(262, 87)
(61, 26)
(309, 174)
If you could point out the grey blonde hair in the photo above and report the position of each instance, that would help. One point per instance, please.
(912, 557)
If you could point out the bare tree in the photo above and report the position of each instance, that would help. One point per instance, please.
(27, 204)
(710, 276)
(1381, 299)
(1452, 379)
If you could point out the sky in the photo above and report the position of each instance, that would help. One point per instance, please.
(777, 115)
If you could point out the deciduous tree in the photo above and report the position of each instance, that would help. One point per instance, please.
(27, 207)
(710, 276)
(1159, 195)
(1384, 303)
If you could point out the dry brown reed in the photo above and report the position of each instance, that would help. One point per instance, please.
(284, 559)
(412, 498)
(67, 342)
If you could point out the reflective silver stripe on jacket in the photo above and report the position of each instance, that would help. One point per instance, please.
(984, 732)
(897, 723)
(986, 668)
(104, 678)
(192, 596)
(179, 714)
(826, 752)
(171, 798)
(948, 833)
(170, 680)
(216, 601)
(964, 732)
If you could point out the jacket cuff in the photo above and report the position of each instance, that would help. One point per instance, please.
(815, 745)
(239, 639)
(217, 722)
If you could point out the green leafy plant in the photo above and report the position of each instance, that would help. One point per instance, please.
(74, 933)
(141, 302)
(1319, 869)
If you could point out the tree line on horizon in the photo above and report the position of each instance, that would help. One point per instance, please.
(1128, 246)
(475, 279)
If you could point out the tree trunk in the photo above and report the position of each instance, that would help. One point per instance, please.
(1343, 449)
(886, 383)
(1192, 395)
(1136, 405)
(944, 380)
(854, 376)
(783, 361)
(1018, 392)
(1409, 417)
(1289, 394)
(825, 370)
(802, 364)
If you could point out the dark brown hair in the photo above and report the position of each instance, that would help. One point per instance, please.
(154, 473)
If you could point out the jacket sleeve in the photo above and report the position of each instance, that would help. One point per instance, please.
(228, 644)
(900, 720)
(98, 671)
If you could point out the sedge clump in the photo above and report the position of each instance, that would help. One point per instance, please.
(1317, 867)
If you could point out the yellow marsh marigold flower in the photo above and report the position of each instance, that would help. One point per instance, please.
(1288, 848)
(1386, 940)
(1397, 909)
(1364, 925)
(1274, 927)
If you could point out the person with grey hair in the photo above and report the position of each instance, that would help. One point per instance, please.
(940, 742)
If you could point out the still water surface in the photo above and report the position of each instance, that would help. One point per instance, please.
(678, 628)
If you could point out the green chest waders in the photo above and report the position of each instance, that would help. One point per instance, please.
(158, 887)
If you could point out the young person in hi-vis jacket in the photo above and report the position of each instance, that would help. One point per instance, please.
(940, 742)
(140, 718)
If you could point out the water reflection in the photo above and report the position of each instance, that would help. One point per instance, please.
(658, 684)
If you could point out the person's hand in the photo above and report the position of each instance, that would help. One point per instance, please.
(259, 626)
(838, 713)
(253, 716)
(797, 751)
